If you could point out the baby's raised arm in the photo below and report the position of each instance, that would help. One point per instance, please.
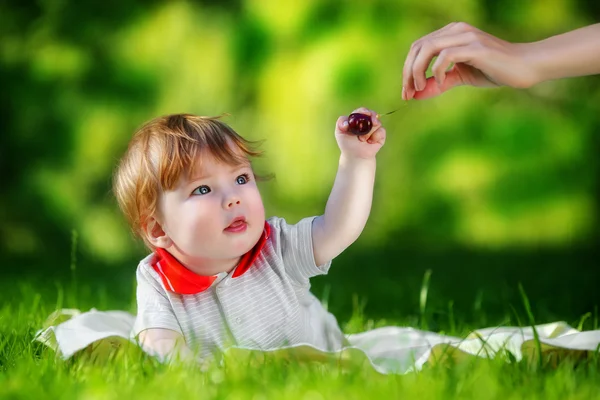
(349, 203)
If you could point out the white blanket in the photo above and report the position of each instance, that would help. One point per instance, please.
(387, 350)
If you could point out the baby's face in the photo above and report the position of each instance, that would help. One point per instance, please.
(214, 215)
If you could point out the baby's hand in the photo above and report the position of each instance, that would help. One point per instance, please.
(360, 146)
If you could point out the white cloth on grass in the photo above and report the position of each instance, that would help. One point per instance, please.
(388, 350)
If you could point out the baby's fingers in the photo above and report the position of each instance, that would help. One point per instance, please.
(367, 137)
(375, 127)
(341, 124)
(358, 124)
(378, 136)
(364, 110)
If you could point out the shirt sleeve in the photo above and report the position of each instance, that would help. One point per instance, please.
(154, 309)
(296, 247)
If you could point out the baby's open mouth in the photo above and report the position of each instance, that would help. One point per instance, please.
(237, 225)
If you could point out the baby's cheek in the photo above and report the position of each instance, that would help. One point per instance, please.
(192, 229)
(256, 206)
(258, 209)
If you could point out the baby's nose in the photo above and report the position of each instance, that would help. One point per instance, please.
(233, 203)
(232, 199)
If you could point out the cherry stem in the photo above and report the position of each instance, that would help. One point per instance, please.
(391, 112)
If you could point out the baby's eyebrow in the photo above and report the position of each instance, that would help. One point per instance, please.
(234, 168)
(241, 166)
(197, 178)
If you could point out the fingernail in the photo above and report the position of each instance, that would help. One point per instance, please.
(403, 93)
(344, 124)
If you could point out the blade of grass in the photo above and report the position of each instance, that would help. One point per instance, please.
(536, 336)
(73, 267)
(451, 319)
(582, 320)
(423, 299)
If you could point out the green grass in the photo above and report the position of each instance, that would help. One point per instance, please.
(29, 370)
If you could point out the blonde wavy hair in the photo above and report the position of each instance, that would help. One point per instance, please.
(161, 151)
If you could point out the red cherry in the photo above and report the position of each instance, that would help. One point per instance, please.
(359, 124)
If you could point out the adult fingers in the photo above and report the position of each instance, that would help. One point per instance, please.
(432, 89)
(434, 47)
(408, 86)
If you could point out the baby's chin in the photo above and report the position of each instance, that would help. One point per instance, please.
(250, 238)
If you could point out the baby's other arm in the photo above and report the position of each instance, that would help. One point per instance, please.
(156, 327)
(166, 344)
(349, 203)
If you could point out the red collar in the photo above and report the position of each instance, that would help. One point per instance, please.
(178, 279)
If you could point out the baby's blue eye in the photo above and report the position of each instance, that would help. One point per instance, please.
(201, 190)
(242, 179)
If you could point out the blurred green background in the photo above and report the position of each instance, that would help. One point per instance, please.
(485, 188)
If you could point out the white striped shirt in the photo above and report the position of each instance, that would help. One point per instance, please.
(267, 307)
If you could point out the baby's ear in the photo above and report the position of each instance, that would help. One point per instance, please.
(156, 235)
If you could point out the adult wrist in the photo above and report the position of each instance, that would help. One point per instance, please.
(535, 63)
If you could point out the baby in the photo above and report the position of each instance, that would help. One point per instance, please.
(220, 274)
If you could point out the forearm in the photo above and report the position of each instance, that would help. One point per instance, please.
(575, 53)
(347, 209)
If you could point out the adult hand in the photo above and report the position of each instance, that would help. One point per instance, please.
(478, 58)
